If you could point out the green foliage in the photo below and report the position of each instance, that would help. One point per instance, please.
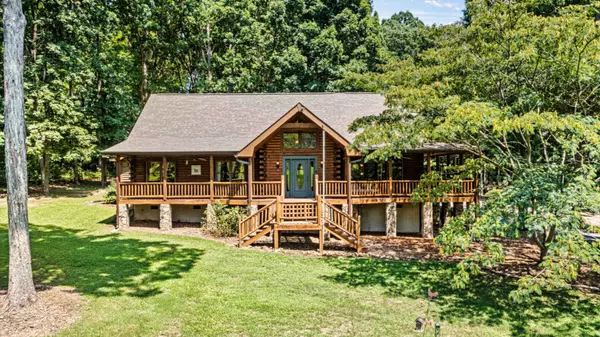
(517, 89)
(90, 65)
(405, 35)
(226, 219)
(110, 195)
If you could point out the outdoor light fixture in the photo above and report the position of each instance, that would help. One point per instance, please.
(438, 328)
(277, 164)
(420, 325)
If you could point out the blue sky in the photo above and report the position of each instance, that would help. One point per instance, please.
(429, 11)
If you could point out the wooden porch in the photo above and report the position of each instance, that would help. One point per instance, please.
(264, 192)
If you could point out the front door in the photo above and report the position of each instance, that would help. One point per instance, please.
(300, 177)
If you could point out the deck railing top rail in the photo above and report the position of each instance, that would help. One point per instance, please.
(273, 189)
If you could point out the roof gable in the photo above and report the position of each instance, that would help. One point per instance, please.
(248, 150)
(227, 123)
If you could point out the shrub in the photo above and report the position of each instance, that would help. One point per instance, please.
(110, 195)
(223, 220)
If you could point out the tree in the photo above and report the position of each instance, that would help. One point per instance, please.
(404, 35)
(519, 91)
(21, 290)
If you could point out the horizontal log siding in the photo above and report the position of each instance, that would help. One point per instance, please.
(183, 170)
(275, 153)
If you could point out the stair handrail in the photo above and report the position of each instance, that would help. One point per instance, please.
(255, 221)
(348, 224)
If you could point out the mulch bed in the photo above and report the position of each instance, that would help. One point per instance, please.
(55, 309)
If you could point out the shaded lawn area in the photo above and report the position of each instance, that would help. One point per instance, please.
(142, 284)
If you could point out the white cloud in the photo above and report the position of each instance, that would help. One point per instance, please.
(440, 4)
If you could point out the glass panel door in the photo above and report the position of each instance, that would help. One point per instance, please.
(300, 173)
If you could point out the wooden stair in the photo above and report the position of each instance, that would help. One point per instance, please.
(298, 216)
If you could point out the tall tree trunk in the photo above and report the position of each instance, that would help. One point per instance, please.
(144, 82)
(21, 290)
(76, 178)
(45, 167)
(103, 171)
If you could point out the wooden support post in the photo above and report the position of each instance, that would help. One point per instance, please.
(250, 180)
(278, 213)
(317, 185)
(349, 183)
(390, 176)
(428, 162)
(211, 167)
(320, 223)
(321, 239)
(118, 195)
(282, 186)
(164, 177)
(358, 246)
(118, 177)
(428, 171)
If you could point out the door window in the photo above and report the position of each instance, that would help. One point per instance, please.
(300, 176)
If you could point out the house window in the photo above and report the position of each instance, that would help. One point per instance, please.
(397, 172)
(154, 172)
(300, 140)
(171, 172)
(370, 171)
(230, 171)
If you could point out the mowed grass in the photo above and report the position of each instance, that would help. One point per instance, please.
(141, 284)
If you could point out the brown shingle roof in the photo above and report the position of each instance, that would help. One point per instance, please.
(225, 123)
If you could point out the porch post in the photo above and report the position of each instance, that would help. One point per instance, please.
(250, 179)
(428, 155)
(164, 177)
(118, 161)
(166, 217)
(212, 177)
(390, 176)
(427, 220)
(391, 219)
(427, 210)
(349, 183)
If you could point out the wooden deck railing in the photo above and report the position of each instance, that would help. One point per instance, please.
(141, 190)
(257, 220)
(273, 189)
(230, 190)
(378, 188)
(266, 189)
(333, 188)
(188, 190)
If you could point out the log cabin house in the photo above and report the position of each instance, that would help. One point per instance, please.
(286, 156)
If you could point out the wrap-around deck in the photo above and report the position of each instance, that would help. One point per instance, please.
(264, 192)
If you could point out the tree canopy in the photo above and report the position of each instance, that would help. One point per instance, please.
(91, 65)
(518, 89)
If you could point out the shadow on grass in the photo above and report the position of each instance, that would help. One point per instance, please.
(101, 265)
(484, 302)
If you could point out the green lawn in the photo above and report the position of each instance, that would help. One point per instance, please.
(140, 284)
